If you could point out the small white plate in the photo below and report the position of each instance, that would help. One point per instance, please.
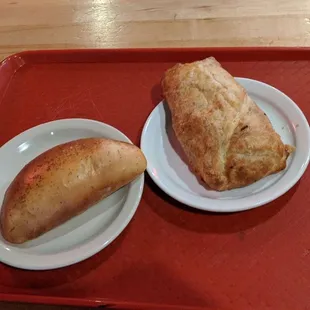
(167, 164)
(83, 235)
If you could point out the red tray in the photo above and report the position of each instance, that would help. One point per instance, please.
(170, 256)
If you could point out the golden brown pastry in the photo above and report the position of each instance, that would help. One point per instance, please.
(227, 138)
(65, 181)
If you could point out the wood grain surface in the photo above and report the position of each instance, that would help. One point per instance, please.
(57, 24)
(42, 24)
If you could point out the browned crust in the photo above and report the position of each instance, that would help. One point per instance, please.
(227, 138)
(65, 181)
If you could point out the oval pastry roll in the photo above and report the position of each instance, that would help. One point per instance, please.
(64, 182)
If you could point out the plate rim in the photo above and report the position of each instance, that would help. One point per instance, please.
(258, 202)
(79, 253)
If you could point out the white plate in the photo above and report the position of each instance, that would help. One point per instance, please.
(84, 235)
(168, 169)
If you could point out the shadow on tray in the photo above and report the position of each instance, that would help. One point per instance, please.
(207, 222)
(38, 280)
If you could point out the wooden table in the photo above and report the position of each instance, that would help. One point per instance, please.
(42, 24)
(50, 24)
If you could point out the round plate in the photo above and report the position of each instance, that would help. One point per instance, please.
(167, 163)
(83, 235)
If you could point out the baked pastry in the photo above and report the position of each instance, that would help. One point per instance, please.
(228, 140)
(65, 181)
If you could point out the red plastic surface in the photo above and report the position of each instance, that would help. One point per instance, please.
(169, 255)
